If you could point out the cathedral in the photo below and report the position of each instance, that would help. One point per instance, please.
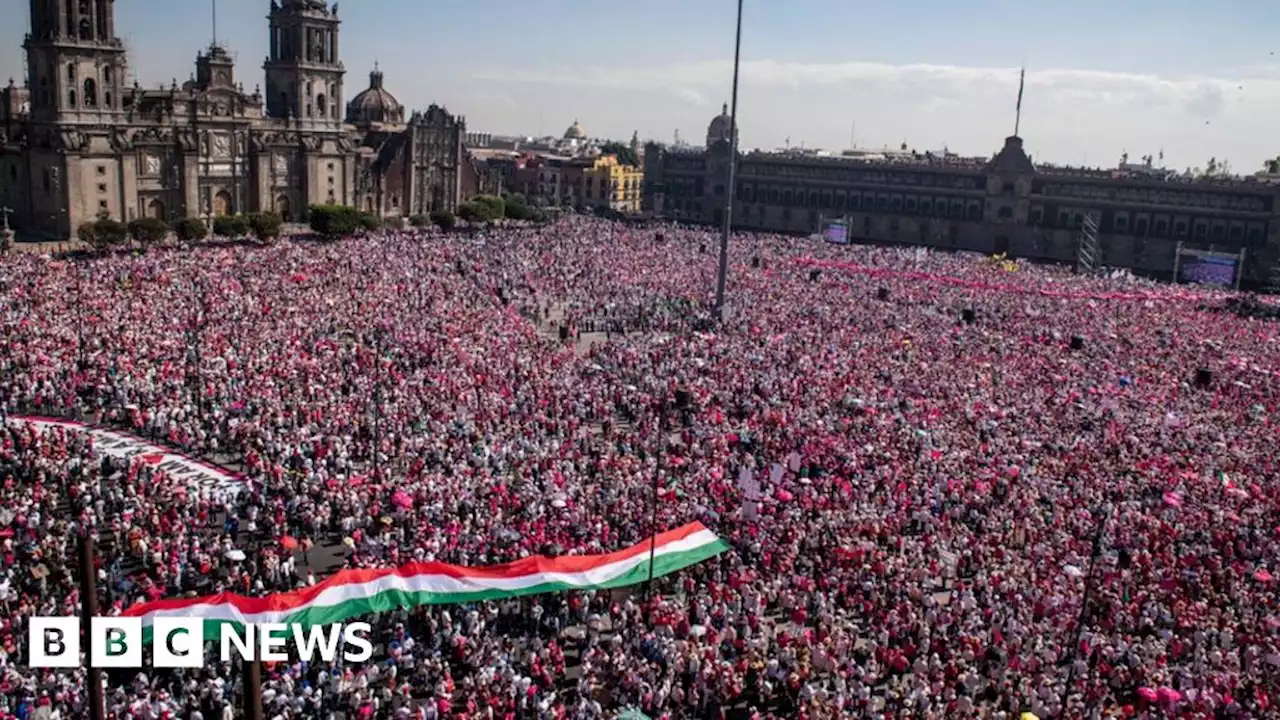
(78, 141)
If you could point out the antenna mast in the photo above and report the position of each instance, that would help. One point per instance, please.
(215, 22)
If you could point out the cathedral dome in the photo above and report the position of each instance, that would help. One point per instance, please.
(575, 132)
(375, 104)
(719, 127)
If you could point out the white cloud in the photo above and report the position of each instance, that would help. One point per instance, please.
(1069, 115)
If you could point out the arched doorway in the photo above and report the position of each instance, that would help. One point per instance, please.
(222, 204)
(155, 209)
(368, 204)
(282, 208)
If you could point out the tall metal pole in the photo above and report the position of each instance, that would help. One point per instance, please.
(88, 609)
(721, 276)
(253, 690)
(1084, 605)
(653, 502)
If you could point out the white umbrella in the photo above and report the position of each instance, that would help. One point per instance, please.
(235, 555)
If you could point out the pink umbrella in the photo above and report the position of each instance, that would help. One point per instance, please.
(1169, 696)
(1173, 498)
(1148, 694)
(401, 499)
(1262, 575)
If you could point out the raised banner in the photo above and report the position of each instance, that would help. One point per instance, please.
(350, 593)
(198, 473)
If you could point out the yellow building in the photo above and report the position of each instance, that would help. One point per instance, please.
(609, 182)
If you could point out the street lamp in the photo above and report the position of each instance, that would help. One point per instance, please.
(733, 164)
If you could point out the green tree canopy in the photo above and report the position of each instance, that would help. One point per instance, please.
(623, 152)
(148, 230)
(335, 221)
(443, 219)
(191, 229)
(493, 206)
(265, 225)
(232, 226)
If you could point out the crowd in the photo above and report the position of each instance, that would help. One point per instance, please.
(930, 518)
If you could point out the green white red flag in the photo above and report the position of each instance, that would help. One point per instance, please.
(351, 593)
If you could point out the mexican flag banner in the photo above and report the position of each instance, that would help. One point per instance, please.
(351, 593)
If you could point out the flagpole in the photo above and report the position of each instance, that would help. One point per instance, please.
(723, 272)
(1017, 117)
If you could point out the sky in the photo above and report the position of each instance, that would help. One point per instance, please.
(1192, 78)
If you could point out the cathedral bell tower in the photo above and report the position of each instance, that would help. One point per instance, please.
(304, 74)
(77, 65)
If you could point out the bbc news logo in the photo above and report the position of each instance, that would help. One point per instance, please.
(116, 642)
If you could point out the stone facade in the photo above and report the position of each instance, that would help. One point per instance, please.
(77, 142)
(1005, 204)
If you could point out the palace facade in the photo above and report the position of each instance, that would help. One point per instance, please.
(1004, 204)
(77, 141)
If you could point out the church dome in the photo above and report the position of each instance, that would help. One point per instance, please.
(719, 127)
(375, 104)
(575, 132)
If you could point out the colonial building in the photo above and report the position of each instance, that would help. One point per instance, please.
(1004, 204)
(78, 142)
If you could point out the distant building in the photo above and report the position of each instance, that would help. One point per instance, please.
(609, 183)
(1001, 204)
(77, 142)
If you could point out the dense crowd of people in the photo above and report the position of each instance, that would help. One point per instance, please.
(929, 518)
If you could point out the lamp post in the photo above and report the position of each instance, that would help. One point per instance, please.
(721, 276)
(653, 499)
(378, 337)
(88, 609)
(1098, 541)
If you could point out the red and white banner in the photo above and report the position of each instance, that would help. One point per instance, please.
(198, 473)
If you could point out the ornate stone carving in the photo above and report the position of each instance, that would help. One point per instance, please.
(280, 164)
(71, 140)
(311, 142)
(153, 136)
(258, 142)
(186, 140)
(220, 146)
(121, 140)
(150, 164)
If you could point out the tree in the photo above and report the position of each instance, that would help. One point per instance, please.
(1272, 166)
(419, 221)
(232, 226)
(265, 225)
(492, 206)
(335, 221)
(470, 212)
(517, 208)
(624, 153)
(111, 232)
(88, 234)
(147, 231)
(443, 219)
(190, 230)
(370, 222)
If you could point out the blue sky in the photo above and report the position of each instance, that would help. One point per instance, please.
(1190, 77)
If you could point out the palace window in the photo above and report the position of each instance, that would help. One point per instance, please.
(90, 93)
(71, 98)
(1140, 227)
(1180, 229)
(1237, 233)
(71, 72)
(1005, 213)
